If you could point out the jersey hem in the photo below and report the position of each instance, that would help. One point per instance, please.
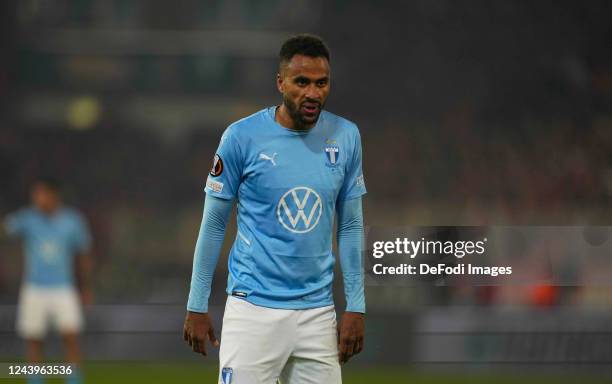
(263, 303)
(39, 285)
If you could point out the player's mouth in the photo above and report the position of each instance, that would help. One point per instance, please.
(310, 108)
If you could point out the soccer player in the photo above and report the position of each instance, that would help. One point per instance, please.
(56, 239)
(291, 168)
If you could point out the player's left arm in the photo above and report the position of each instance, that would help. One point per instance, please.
(350, 245)
(83, 262)
(351, 336)
(83, 269)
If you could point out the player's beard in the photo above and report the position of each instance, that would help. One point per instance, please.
(300, 120)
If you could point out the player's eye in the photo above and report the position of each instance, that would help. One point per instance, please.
(300, 81)
(321, 83)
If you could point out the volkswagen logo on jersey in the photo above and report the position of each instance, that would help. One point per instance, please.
(49, 251)
(299, 209)
(332, 151)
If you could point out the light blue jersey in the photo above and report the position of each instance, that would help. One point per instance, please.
(51, 243)
(287, 184)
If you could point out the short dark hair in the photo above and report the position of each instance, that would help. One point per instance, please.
(303, 44)
(49, 182)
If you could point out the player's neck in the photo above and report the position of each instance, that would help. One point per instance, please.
(282, 116)
(49, 211)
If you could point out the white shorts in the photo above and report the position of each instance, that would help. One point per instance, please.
(40, 307)
(261, 345)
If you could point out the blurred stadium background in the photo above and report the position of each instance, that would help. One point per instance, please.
(471, 113)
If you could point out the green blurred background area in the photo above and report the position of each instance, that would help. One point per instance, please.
(164, 372)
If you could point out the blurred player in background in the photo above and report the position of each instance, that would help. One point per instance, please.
(291, 168)
(56, 240)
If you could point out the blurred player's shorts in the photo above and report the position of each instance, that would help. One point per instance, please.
(40, 308)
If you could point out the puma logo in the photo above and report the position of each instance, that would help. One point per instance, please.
(263, 156)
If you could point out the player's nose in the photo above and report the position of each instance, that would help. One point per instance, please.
(313, 93)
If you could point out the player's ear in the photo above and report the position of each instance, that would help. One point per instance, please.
(279, 83)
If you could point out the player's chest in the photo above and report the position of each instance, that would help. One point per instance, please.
(281, 164)
(49, 231)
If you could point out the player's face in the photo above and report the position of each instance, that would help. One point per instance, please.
(304, 83)
(44, 198)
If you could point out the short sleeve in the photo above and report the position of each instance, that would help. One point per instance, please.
(81, 235)
(14, 224)
(354, 184)
(226, 172)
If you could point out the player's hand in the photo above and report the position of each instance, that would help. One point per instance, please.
(350, 335)
(197, 328)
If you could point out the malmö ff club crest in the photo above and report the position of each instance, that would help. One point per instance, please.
(332, 151)
(226, 375)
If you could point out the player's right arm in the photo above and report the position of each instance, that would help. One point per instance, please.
(221, 190)
(198, 327)
(13, 225)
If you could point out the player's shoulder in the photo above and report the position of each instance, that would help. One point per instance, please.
(72, 214)
(23, 213)
(247, 125)
(340, 123)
